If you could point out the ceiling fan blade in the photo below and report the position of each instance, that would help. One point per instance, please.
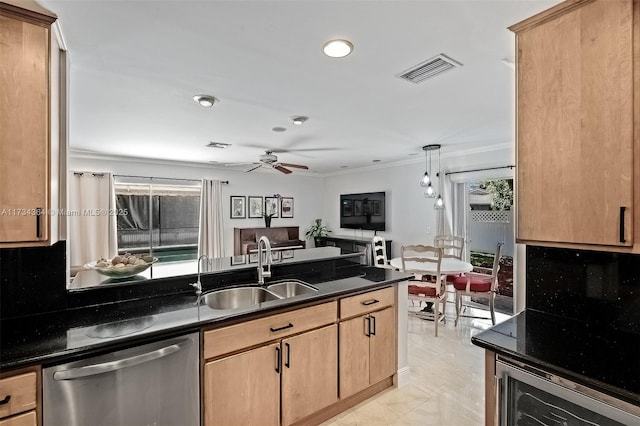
(282, 169)
(256, 167)
(240, 164)
(297, 166)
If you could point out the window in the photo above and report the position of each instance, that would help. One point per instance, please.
(162, 219)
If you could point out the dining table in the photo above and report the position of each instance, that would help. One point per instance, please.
(448, 266)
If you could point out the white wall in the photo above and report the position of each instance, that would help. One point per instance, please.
(411, 218)
(306, 190)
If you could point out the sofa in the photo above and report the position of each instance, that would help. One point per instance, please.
(245, 240)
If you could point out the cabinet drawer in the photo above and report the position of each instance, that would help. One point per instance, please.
(21, 391)
(239, 336)
(27, 419)
(366, 302)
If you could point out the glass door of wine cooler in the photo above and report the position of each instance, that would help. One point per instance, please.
(529, 399)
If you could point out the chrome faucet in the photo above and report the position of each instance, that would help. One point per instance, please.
(262, 274)
(197, 285)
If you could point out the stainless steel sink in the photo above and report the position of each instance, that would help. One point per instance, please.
(239, 297)
(291, 288)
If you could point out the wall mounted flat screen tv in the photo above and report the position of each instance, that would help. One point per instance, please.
(363, 211)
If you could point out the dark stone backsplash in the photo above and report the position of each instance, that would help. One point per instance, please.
(32, 280)
(598, 288)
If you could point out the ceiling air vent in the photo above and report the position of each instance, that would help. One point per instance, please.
(429, 68)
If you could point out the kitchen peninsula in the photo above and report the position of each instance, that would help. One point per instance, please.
(344, 296)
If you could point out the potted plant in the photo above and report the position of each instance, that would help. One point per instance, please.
(317, 231)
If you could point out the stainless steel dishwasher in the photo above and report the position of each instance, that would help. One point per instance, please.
(152, 384)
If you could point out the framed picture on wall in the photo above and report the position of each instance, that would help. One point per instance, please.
(238, 207)
(271, 206)
(286, 207)
(255, 206)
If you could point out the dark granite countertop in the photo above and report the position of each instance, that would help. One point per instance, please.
(601, 358)
(90, 279)
(62, 336)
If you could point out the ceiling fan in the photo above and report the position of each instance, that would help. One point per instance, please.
(268, 159)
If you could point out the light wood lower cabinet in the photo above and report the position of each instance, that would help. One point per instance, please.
(243, 389)
(298, 373)
(20, 395)
(27, 419)
(309, 373)
(367, 350)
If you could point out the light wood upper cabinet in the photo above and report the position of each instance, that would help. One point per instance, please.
(24, 126)
(309, 373)
(575, 124)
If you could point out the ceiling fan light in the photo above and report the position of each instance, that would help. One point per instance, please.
(337, 48)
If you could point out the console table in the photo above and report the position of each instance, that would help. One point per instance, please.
(356, 244)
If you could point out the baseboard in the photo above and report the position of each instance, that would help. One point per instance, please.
(403, 377)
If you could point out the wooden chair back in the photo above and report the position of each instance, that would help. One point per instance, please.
(451, 245)
(421, 254)
(379, 248)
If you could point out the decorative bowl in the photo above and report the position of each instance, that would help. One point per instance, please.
(122, 272)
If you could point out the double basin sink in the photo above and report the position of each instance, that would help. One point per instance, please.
(242, 297)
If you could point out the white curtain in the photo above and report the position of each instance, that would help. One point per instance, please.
(92, 219)
(444, 217)
(211, 237)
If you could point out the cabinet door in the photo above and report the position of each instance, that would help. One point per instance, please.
(309, 373)
(382, 345)
(575, 126)
(24, 130)
(243, 389)
(354, 356)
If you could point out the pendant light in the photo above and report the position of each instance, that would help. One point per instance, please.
(427, 179)
(439, 205)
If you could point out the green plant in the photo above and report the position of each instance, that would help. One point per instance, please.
(501, 191)
(317, 230)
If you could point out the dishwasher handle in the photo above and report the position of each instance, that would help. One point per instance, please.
(105, 367)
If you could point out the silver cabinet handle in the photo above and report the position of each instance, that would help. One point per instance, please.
(498, 392)
(105, 367)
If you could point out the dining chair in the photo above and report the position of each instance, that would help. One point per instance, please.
(483, 284)
(451, 245)
(422, 261)
(379, 248)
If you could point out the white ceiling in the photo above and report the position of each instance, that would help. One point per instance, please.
(135, 66)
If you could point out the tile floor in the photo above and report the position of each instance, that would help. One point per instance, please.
(447, 379)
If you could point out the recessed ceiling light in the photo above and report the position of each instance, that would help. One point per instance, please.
(205, 100)
(220, 145)
(337, 48)
(279, 129)
(299, 120)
